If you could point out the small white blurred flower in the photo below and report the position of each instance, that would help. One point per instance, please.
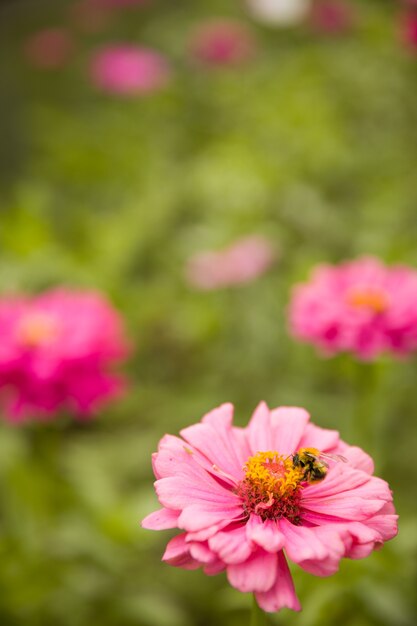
(279, 12)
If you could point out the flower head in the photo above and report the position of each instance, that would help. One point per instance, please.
(246, 499)
(360, 306)
(222, 42)
(50, 48)
(129, 70)
(55, 351)
(239, 263)
(331, 16)
(279, 12)
(408, 29)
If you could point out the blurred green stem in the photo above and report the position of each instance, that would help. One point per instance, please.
(368, 421)
(258, 617)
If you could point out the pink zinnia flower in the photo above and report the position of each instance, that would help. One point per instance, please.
(245, 502)
(408, 30)
(359, 306)
(129, 70)
(50, 48)
(241, 262)
(331, 16)
(222, 42)
(55, 353)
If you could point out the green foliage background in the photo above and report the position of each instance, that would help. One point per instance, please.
(313, 144)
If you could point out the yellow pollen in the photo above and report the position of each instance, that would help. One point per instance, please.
(273, 474)
(374, 299)
(37, 329)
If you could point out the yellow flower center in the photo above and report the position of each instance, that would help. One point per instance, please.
(271, 486)
(274, 473)
(369, 298)
(37, 329)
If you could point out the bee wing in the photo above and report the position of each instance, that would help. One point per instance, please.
(333, 457)
(318, 458)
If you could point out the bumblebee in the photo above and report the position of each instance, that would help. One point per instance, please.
(313, 463)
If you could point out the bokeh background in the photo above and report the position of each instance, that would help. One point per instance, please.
(311, 142)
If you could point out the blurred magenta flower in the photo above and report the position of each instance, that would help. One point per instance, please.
(55, 353)
(279, 12)
(408, 29)
(222, 42)
(50, 48)
(331, 16)
(126, 69)
(239, 263)
(359, 306)
(242, 497)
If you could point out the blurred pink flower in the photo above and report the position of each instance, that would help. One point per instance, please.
(408, 30)
(241, 500)
(331, 16)
(360, 306)
(50, 48)
(55, 352)
(129, 70)
(222, 42)
(241, 262)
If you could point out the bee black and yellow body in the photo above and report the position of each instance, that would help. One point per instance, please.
(307, 459)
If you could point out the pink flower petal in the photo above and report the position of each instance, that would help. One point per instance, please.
(214, 439)
(282, 593)
(231, 545)
(161, 520)
(259, 429)
(211, 569)
(197, 517)
(220, 417)
(266, 535)
(345, 507)
(179, 492)
(177, 553)
(358, 459)
(258, 573)
(321, 545)
(288, 425)
(175, 458)
(206, 533)
(385, 524)
(362, 550)
(346, 497)
(201, 552)
(339, 478)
